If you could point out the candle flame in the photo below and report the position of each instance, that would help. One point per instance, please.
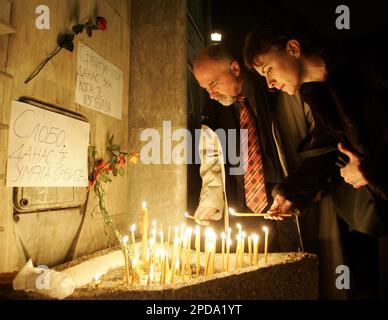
(265, 229)
(186, 214)
(223, 236)
(144, 205)
(255, 237)
(244, 234)
(125, 239)
(209, 232)
(232, 211)
(97, 277)
(133, 228)
(134, 263)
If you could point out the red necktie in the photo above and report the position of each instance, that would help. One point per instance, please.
(255, 194)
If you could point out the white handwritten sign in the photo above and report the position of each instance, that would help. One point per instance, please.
(99, 83)
(46, 149)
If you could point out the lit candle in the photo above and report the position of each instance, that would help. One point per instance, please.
(97, 280)
(162, 255)
(250, 214)
(214, 242)
(134, 264)
(255, 238)
(244, 235)
(222, 251)
(173, 267)
(161, 235)
(157, 262)
(239, 229)
(153, 230)
(250, 250)
(197, 249)
(208, 245)
(229, 243)
(265, 229)
(151, 275)
(238, 238)
(208, 258)
(125, 248)
(133, 228)
(183, 226)
(152, 251)
(165, 266)
(173, 263)
(144, 232)
(188, 234)
(186, 214)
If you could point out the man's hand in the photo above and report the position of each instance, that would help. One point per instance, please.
(280, 205)
(203, 214)
(351, 172)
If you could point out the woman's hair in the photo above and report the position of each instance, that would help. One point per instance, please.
(275, 33)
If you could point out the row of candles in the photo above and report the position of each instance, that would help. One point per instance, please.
(159, 263)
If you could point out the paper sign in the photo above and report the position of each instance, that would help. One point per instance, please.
(99, 83)
(46, 149)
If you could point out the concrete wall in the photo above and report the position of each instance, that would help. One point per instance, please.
(154, 67)
(158, 93)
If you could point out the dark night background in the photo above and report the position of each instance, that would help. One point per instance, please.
(234, 19)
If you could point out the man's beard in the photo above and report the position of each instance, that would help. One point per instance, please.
(225, 100)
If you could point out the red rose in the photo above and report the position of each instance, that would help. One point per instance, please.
(101, 23)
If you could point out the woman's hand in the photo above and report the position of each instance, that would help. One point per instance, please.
(351, 172)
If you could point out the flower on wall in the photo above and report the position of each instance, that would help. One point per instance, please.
(103, 172)
(65, 41)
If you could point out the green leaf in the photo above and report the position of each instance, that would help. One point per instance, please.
(115, 147)
(66, 41)
(104, 171)
(104, 178)
(121, 171)
(114, 172)
(78, 28)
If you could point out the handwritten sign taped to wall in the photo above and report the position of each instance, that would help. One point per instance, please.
(46, 149)
(99, 83)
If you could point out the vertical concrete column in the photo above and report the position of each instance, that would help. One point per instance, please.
(158, 86)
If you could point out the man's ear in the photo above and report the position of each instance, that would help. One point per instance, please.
(293, 48)
(235, 67)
